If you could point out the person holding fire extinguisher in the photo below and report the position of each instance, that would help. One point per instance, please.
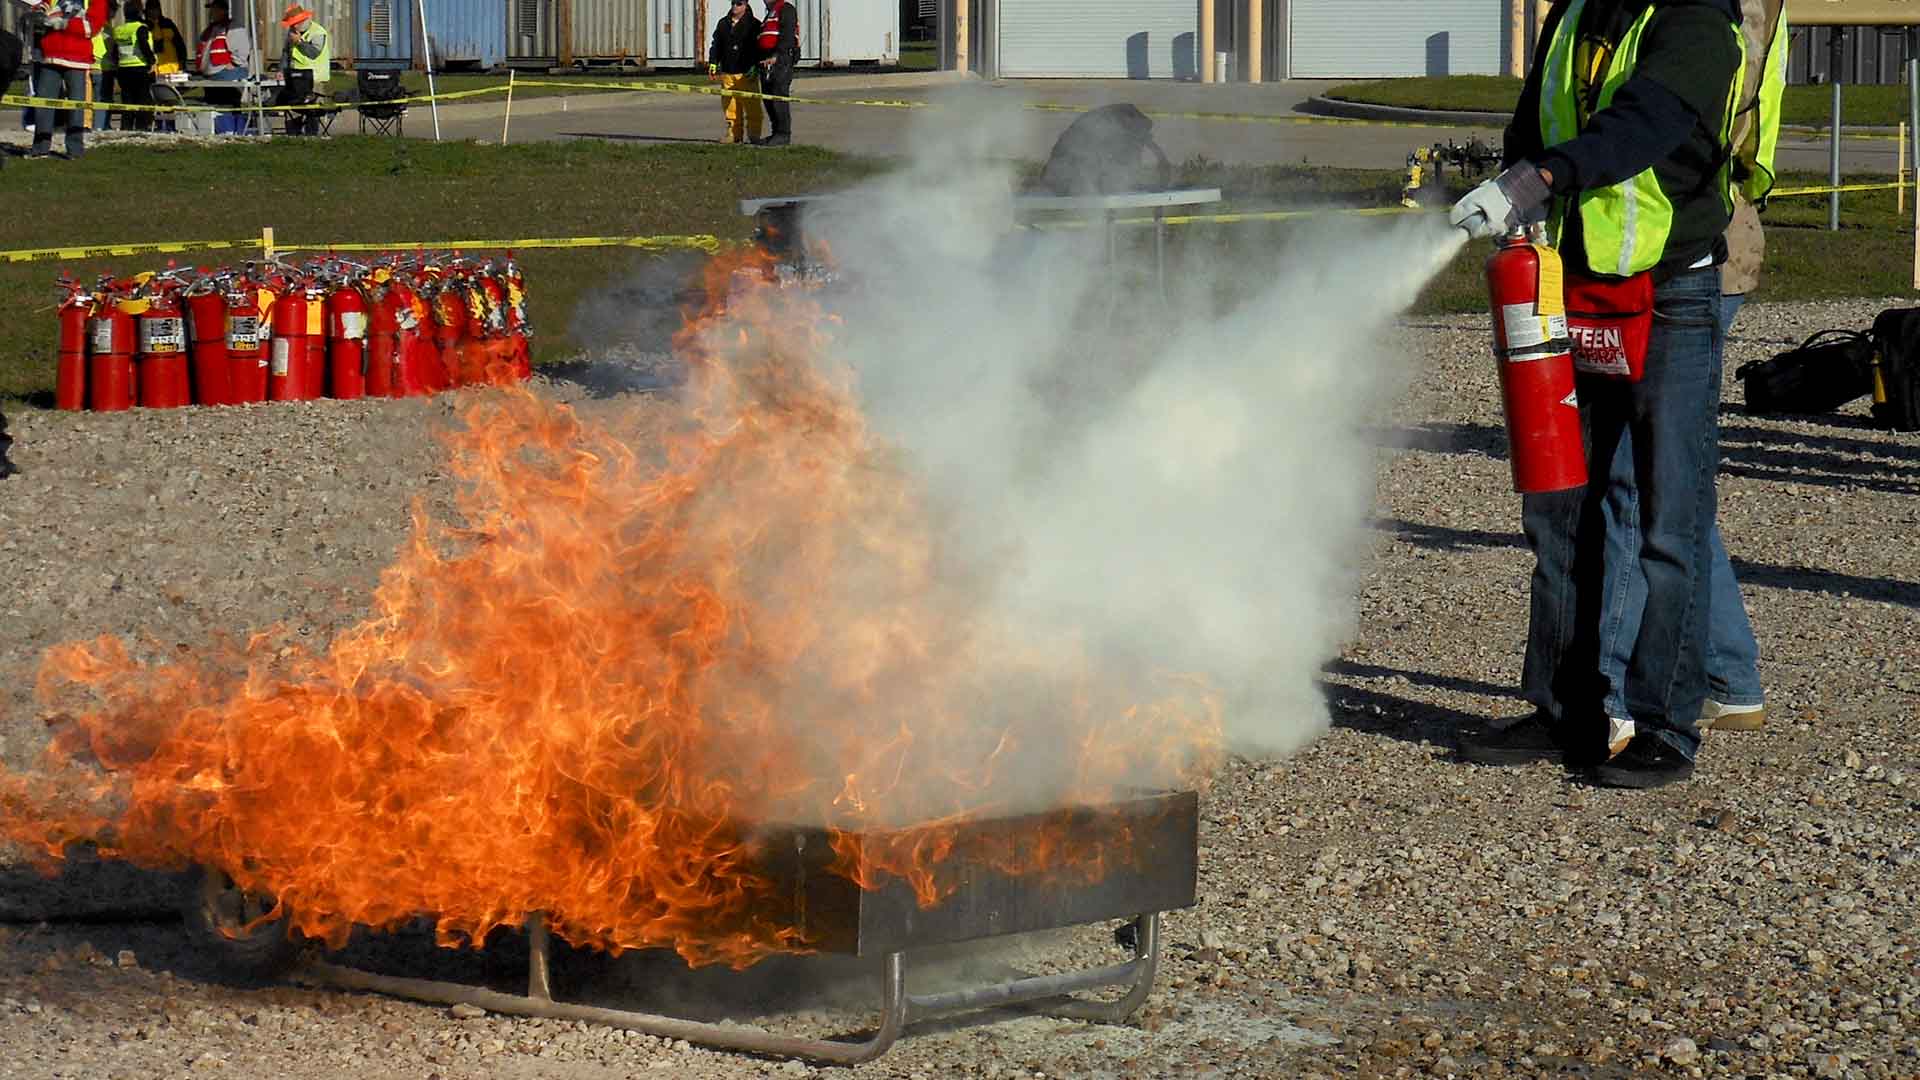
(733, 59)
(779, 52)
(1623, 138)
(1735, 699)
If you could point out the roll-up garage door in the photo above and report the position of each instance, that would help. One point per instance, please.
(1345, 39)
(1120, 39)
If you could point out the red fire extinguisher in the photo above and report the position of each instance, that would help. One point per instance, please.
(347, 342)
(70, 383)
(290, 374)
(164, 379)
(313, 373)
(449, 305)
(207, 323)
(383, 330)
(518, 327)
(247, 344)
(110, 355)
(416, 361)
(1544, 440)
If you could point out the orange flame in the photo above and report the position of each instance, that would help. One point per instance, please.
(642, 633)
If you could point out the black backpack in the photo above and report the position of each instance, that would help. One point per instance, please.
(1896, 375)
(1828, 370)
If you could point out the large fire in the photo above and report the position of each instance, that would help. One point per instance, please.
(577, 695)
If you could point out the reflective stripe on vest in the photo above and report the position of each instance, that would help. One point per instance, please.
(126, 41)
(214, 53)
(322, 65)
(1756, 130)
(770, 29)
(1624, 226)
(99, 48)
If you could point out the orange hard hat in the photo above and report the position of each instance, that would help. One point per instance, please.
(295, 15)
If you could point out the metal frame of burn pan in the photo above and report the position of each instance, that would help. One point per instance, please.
(1163, 834)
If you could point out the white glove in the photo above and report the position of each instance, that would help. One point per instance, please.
(1499, 204)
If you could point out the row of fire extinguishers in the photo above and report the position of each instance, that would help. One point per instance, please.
(280, 331)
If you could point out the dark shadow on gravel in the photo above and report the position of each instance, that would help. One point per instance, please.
(1373, 712)
(1800, 578)
(92, 890)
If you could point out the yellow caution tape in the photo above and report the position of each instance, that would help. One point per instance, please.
(25, 101)
(106, 251)
(1788, 193)
(114, 251)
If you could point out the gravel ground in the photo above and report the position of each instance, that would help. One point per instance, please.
(1368, 907)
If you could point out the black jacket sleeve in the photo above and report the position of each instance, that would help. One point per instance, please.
(789, 31)
(714, 52)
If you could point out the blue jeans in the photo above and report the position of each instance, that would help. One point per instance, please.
(53, 81)
(1733, 656)
(1670, 420)
(102, 95)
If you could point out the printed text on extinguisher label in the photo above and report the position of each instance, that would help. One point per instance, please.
(280, 356)
(243, 331)
(102, 335)
(353, 325)
(1530, 335)
(162, 336)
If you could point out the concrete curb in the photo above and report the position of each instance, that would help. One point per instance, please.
(1354, 110)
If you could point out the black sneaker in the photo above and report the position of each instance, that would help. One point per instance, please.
(1647, 762)
(1522, 742)
(777, 140)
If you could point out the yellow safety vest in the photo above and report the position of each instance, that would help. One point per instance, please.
(126, 41)
(322, 65)
(1624, 226)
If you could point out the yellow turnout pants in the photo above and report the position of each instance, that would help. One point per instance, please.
(743, 114)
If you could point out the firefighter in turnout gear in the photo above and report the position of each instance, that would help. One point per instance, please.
(133, 65)
(1623, 139)
(779, 52)
(733, 58)
(307, 63)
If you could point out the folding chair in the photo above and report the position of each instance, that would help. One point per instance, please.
(376, 89)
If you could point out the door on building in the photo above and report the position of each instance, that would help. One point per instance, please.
(1381, 39)
(1119, 39)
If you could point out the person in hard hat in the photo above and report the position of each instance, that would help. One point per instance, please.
(306, 61)
(734, 59)
(779, 51)
(133, 65)
(1735, 699)
(225, 52)
(103, 68)
(1623, 139)
(62, 34)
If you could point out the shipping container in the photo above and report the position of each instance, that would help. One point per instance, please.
(383, 34)
(607, 31)
(531, 32)
(462, 34)
(833, 33)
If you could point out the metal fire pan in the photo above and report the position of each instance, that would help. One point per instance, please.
(1151, 846)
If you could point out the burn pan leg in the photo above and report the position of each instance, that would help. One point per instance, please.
(1145, 965)
(1137, 974)
(893, 1018)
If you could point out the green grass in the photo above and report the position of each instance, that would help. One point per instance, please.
(382, 190)
(354, 189)
(919, 56)
(1806, 106)
(416, 83)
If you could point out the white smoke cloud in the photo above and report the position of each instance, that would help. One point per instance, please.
(1180, 487)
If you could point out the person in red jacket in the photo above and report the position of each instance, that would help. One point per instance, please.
(62, 58)
(779, 51)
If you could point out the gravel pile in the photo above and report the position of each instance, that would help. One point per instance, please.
(1369, 907)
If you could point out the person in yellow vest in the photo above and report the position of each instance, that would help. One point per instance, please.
(307, 63)
(133, 65)
(1623, 139)
(102, 77)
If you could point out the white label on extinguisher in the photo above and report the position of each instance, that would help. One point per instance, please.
(243, 331)
(1524, 327)
(161, 336)
(102, 335)
(353, 325)
(280, 356)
